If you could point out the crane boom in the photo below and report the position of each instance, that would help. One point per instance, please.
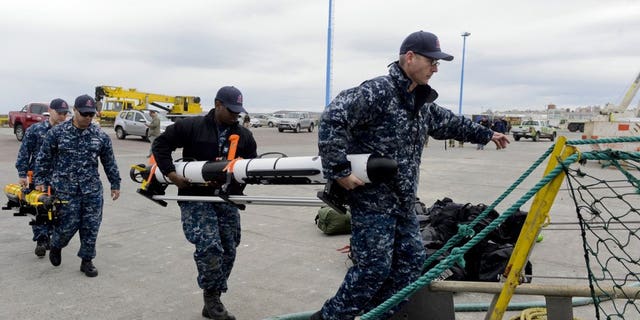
(114, 99)
(631, 92)
(626, 100)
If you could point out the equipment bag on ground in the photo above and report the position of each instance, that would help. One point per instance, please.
(332, 222)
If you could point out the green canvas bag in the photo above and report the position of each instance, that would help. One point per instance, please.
(332, 222)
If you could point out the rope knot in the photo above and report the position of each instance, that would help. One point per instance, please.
(457, 253)
(466, 231)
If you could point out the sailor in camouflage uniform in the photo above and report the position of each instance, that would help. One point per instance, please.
(390, 116)
(26, 161)
(68, 162)
(213, 228)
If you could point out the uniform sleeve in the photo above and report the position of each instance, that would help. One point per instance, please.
(27, 152)
(250, 148)
(343, 114)
(109, 162)
(44, 160)
(444, 124)
(171, 139)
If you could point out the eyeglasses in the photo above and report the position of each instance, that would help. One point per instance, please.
(87, 114)
(434, 62)
(62, 113)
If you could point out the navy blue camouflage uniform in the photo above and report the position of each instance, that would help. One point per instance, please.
(26, 161)
(68, 162)
(381, 117)
(213, 228)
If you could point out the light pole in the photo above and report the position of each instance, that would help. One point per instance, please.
(464, 44)
(327, 95)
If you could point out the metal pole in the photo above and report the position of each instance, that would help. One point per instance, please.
(255, 200)
(327, 97)
(464, 44)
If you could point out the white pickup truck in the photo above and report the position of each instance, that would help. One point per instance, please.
(534, 129)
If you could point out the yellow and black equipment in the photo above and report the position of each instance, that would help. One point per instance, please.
(42, 206)
(112, 100)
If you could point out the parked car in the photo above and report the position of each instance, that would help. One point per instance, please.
(255, 123)
(134, 123)
(296, 121)
(274, 120)
(259, 120)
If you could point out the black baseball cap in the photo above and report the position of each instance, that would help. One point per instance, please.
(59, 105)
(85, 103)
(425, 44)
(231, 97)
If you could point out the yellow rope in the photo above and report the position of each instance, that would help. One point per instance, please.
(534, 314)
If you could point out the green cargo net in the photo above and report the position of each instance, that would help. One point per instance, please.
(625, 248)
(608, 207)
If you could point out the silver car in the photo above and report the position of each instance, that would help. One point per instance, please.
(296, 121)
(134, 123)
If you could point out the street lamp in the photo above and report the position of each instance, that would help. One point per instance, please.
(327, 96)
(464, 44)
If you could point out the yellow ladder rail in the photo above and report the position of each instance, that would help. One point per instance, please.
(536, 218)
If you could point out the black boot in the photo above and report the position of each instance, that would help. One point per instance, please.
(88, 268)
(41, 247)
(213, 307)
(55, 256)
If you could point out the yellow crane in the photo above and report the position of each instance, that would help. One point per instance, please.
(112, 100)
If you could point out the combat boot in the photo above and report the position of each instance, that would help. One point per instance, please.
(88, 268)
(55, 256)
(41, 246)
(213, 307)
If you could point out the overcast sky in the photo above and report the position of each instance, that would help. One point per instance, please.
(521, 54)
